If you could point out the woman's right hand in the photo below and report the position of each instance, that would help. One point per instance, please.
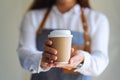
(49, 55)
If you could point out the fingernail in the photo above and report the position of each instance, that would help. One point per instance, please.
(50, 42)
(55, 52)
(51, 61)
(56, 58)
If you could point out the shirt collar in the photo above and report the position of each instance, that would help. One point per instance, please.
(75, 9)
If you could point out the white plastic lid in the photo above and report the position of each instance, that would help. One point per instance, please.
(60, 33)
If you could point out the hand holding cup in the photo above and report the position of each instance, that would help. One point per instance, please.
(49, 55)
(57, 49)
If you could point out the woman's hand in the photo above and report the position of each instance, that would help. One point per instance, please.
(49, 55)
(75, 60)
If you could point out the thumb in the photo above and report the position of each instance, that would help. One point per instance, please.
(72, 50)
(71, 60)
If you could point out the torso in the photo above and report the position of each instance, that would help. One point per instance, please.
(72, 23)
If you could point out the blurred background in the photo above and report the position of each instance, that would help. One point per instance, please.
(11, 13)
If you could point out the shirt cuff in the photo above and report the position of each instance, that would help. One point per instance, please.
(84, 67)
(39, 69)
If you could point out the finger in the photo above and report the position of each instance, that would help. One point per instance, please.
(52, 65)
(72, 50)
(48, 61)
(45, 60)
(48, 42)
(50, 50)
(67, 66)
(50, 56)
(44, 64)
(62, 65)
(74, 59)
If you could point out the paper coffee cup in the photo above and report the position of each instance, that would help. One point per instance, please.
(62, 40)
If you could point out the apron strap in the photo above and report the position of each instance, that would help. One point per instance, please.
(40, 29)
(84, 22)
(86, 36)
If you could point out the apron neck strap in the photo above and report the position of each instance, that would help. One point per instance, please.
(84, 22)
(40, 29)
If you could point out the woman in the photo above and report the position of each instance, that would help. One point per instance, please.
(89, 28)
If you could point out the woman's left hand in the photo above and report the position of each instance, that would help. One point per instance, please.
(75, 60)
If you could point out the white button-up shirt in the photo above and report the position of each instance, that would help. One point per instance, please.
(98, 30)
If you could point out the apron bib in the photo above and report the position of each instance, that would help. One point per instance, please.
(79, 39)
(57, 73)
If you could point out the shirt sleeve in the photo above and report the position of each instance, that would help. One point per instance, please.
(96, 61)
(29, 56)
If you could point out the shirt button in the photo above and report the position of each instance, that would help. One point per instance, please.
(31, 70)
